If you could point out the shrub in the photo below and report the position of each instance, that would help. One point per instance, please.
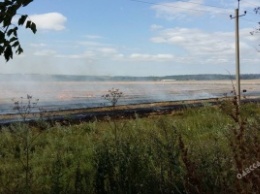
(113, 96)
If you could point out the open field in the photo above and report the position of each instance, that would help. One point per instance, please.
(76, 95)
(204, 149)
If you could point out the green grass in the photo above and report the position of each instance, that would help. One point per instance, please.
(195, 151)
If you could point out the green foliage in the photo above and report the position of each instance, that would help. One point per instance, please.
(9, 32)
(194, 152)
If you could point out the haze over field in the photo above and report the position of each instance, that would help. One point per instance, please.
(68, 94)
(137, 38)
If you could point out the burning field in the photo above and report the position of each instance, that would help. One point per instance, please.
(55, 96)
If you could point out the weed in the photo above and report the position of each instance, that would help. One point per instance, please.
(113, 96)
(25, 106)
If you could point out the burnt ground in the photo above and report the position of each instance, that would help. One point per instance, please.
(74, 116)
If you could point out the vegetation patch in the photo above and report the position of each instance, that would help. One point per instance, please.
(199, 150)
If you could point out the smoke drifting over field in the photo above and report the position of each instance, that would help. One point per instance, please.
(70, 92)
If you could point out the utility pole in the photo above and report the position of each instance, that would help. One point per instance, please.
(236, 17)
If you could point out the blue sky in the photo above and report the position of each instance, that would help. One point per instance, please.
(136, 38)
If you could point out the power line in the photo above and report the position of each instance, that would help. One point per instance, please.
(249, 21)
(160, 4)
(250, 12)
(254, 10)
(201, 4)
(253, 14)
(251, 3)
(198, 10)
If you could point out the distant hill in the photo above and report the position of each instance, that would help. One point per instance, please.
(38, 77)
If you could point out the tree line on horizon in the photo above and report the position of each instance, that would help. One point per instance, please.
(198, 77)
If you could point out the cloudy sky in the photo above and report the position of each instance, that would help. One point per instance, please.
(136, 38)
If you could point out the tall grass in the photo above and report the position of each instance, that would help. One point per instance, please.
(196, 151)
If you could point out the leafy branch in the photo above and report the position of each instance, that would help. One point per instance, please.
(9, 41)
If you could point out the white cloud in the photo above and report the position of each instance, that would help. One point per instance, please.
(46, 52)
(155, 27)
(107, 51)
(185, 9)
(95, 54)
(89, 36)
(206, 47)
(196, 41)
(90, 43)
(49, 21)
(36, 45)
(90, 55)
(149, 57)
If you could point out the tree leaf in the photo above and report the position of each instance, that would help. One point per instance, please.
(33, 27)
(28, 24)
(12, 10)
(8, 53)
(7, 3)
(15, 44)
(19, 50)
(2, 36)
(13, 39)
(26, 2)
(7, 21)
(22, 19)
(15, 32)
(9, 32)
(1, 50)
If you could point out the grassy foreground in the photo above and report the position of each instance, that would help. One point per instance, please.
(205, 150)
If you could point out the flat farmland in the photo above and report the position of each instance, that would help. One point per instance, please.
(60, 95)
